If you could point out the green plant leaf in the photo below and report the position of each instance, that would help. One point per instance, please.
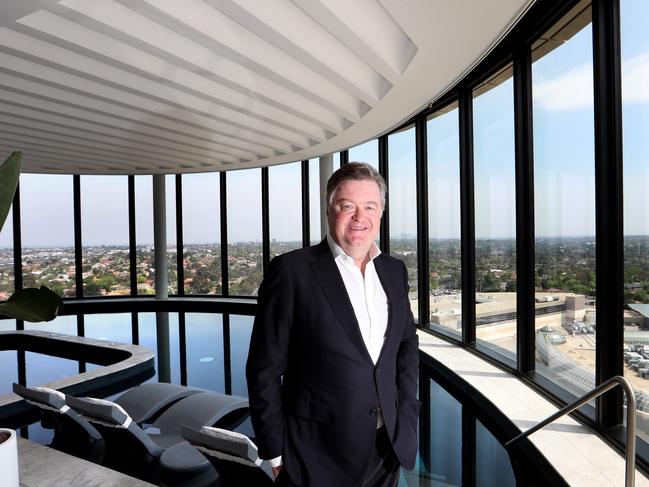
(32, 304)
(9, 173)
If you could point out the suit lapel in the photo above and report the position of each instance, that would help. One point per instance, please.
(328, 277)
(392, 291)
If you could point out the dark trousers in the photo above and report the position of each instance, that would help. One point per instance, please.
(382, 471)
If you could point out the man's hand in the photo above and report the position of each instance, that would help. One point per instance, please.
(276, 471)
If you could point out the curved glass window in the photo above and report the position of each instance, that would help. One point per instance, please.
(564, 192)
(148, 338)
(244, 231)
(144, 254)
(104, 234)
(367, 152)
(114, 327)
(495, 213)
(240, 332)
(204, 339)
(202, 233)
(635, 111)
(445, 266)
(47, 226)
(403, 206)
(285, 207)
(7, 283)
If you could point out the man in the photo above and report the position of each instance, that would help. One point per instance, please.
(332, 367)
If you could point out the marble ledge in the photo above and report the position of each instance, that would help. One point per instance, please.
(575, 451)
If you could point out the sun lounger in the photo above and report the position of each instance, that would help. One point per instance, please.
(161, 444)
(234, 456)
(72, 433)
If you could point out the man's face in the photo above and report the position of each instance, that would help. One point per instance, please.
(354, 216)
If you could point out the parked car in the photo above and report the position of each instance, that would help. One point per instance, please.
(631, 356)
(640, 364)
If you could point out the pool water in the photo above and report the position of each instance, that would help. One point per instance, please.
(457, 449)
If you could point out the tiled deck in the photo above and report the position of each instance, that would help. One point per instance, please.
(578, 454)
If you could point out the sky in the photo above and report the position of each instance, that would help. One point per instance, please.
(563, 169)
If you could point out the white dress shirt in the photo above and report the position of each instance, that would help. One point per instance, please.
(367, 296)
(369, 301)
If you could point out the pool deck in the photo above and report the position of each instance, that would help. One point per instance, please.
(133, 361)
(42, 466)
(580, 456)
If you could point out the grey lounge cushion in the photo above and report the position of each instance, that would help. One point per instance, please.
(145, 401)
(197, 410)
(183, 458)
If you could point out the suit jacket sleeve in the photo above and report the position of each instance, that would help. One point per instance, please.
(267, 358)
(408, 368)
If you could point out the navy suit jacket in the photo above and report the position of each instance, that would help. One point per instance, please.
(314, 390)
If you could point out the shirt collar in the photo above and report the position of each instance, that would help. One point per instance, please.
(337, 251)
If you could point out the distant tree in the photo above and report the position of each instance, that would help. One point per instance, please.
(106, 281)
(57, 288)
(200, 283)
(91, 288)
(641, 296)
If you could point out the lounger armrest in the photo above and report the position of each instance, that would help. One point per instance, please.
(223, 441)
(41, 396)
(99, 410)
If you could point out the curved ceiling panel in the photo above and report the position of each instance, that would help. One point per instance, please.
(162, 86)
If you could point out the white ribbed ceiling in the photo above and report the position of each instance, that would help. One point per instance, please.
(167, 86)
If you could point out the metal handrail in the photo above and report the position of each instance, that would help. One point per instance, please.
(629, 480)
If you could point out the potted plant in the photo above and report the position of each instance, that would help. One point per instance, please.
(28, 304)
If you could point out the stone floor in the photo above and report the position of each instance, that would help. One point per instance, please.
(41, 466)
(577, 453)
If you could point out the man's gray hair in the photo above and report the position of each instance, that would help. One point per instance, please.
(355, 171)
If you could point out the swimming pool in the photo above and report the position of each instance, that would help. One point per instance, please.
(459, 443)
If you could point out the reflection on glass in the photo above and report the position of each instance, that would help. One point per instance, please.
(285, 207)
(565, 209)
(8, 361)
(240, 332)
(202, 233)
(367, 152)
(204, 338)
(493, 467)
(244, 231)
(495, 213)
(114, 327)
(148, 338)
(7, 285)
(9, 368)
(144, 254)
(445, 436)
(48, 236)
(314, 201)
(403, 206)
(66, 325)
(445, 272)
(104, 230)
(635, 123)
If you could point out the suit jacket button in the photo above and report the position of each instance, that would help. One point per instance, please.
(374, 411)
(378, 371)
